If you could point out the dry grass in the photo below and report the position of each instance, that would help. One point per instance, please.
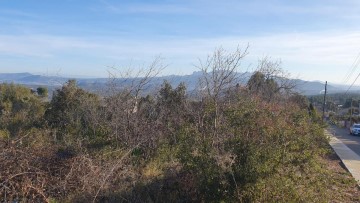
(343, 187)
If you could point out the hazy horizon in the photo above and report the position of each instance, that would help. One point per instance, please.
(160, 75)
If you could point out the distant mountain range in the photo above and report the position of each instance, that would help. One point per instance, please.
(191, 81)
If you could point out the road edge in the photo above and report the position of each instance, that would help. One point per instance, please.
(348, 157)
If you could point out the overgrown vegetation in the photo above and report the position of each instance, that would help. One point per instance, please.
(257, 143)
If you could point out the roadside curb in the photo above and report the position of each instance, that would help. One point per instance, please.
(349, 158)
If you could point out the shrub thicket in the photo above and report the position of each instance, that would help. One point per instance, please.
(238, 146)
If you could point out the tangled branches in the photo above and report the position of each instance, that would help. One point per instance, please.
(28, 174)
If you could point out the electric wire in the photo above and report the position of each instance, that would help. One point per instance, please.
(352, 69)
(352, 84)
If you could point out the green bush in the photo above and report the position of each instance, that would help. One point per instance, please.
(20, 109)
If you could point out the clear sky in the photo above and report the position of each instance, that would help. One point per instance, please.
(314, 39)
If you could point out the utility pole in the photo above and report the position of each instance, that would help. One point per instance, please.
(358, 108)
(323, 116)
(351, 111)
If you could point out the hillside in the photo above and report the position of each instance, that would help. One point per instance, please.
(175, 101)
(232, 145)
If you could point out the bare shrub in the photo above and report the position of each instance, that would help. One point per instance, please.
(219, 74)
(270, 81)
(122, 105)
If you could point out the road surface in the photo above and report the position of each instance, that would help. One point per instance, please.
(351, 141)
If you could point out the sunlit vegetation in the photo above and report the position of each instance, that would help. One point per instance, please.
(230, 143)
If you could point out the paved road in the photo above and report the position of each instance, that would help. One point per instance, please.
(351, 141)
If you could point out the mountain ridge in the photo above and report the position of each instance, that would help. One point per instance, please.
(53, 82)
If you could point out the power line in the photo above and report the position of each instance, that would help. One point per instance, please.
(352, 84)
(356, 62)
(352, 70)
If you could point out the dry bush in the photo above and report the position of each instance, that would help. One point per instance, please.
(47, 173)
(123, 115)
(91, 179)
(30, 174)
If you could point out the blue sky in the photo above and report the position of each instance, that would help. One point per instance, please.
(314, 39)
